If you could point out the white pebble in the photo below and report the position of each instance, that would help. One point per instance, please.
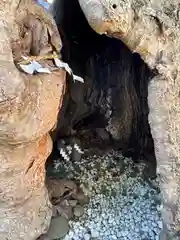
(87, 237)
(117, 217)
(160, 224)
(94, 234)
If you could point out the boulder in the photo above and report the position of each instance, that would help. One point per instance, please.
(29, 105)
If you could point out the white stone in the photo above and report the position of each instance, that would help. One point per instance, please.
(160, 224)
(87, 237)
(113, 237)
(89, 212)
(120, 217)
(111, 220)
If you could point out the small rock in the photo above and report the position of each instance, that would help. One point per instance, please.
(72, 203)
(119, 234)
(87, 237)
(58, 228)
(78, 211)
(94, 234)
(160, 224)
(111, 220)
(81, 198)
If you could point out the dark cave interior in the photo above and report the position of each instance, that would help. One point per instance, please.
(114, 95)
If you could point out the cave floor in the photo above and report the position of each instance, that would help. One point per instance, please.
(124, 201)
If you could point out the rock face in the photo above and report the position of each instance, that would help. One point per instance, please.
(114, 95)
(151, 28)
(28, 111)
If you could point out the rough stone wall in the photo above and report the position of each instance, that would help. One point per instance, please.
(151, 28)
(28, 111)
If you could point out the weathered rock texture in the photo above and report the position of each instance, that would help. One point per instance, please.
(113, 98)
(151, 28)
(28, 111)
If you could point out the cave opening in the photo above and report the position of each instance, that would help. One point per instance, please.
(111, 106)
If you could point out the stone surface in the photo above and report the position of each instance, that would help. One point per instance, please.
(58, 228)
(28, 111)
(78, 211)
(151, 28)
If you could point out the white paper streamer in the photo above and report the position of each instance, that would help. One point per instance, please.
(34, 66)
(61, 64)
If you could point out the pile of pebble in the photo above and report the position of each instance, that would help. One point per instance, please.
(123, 205)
